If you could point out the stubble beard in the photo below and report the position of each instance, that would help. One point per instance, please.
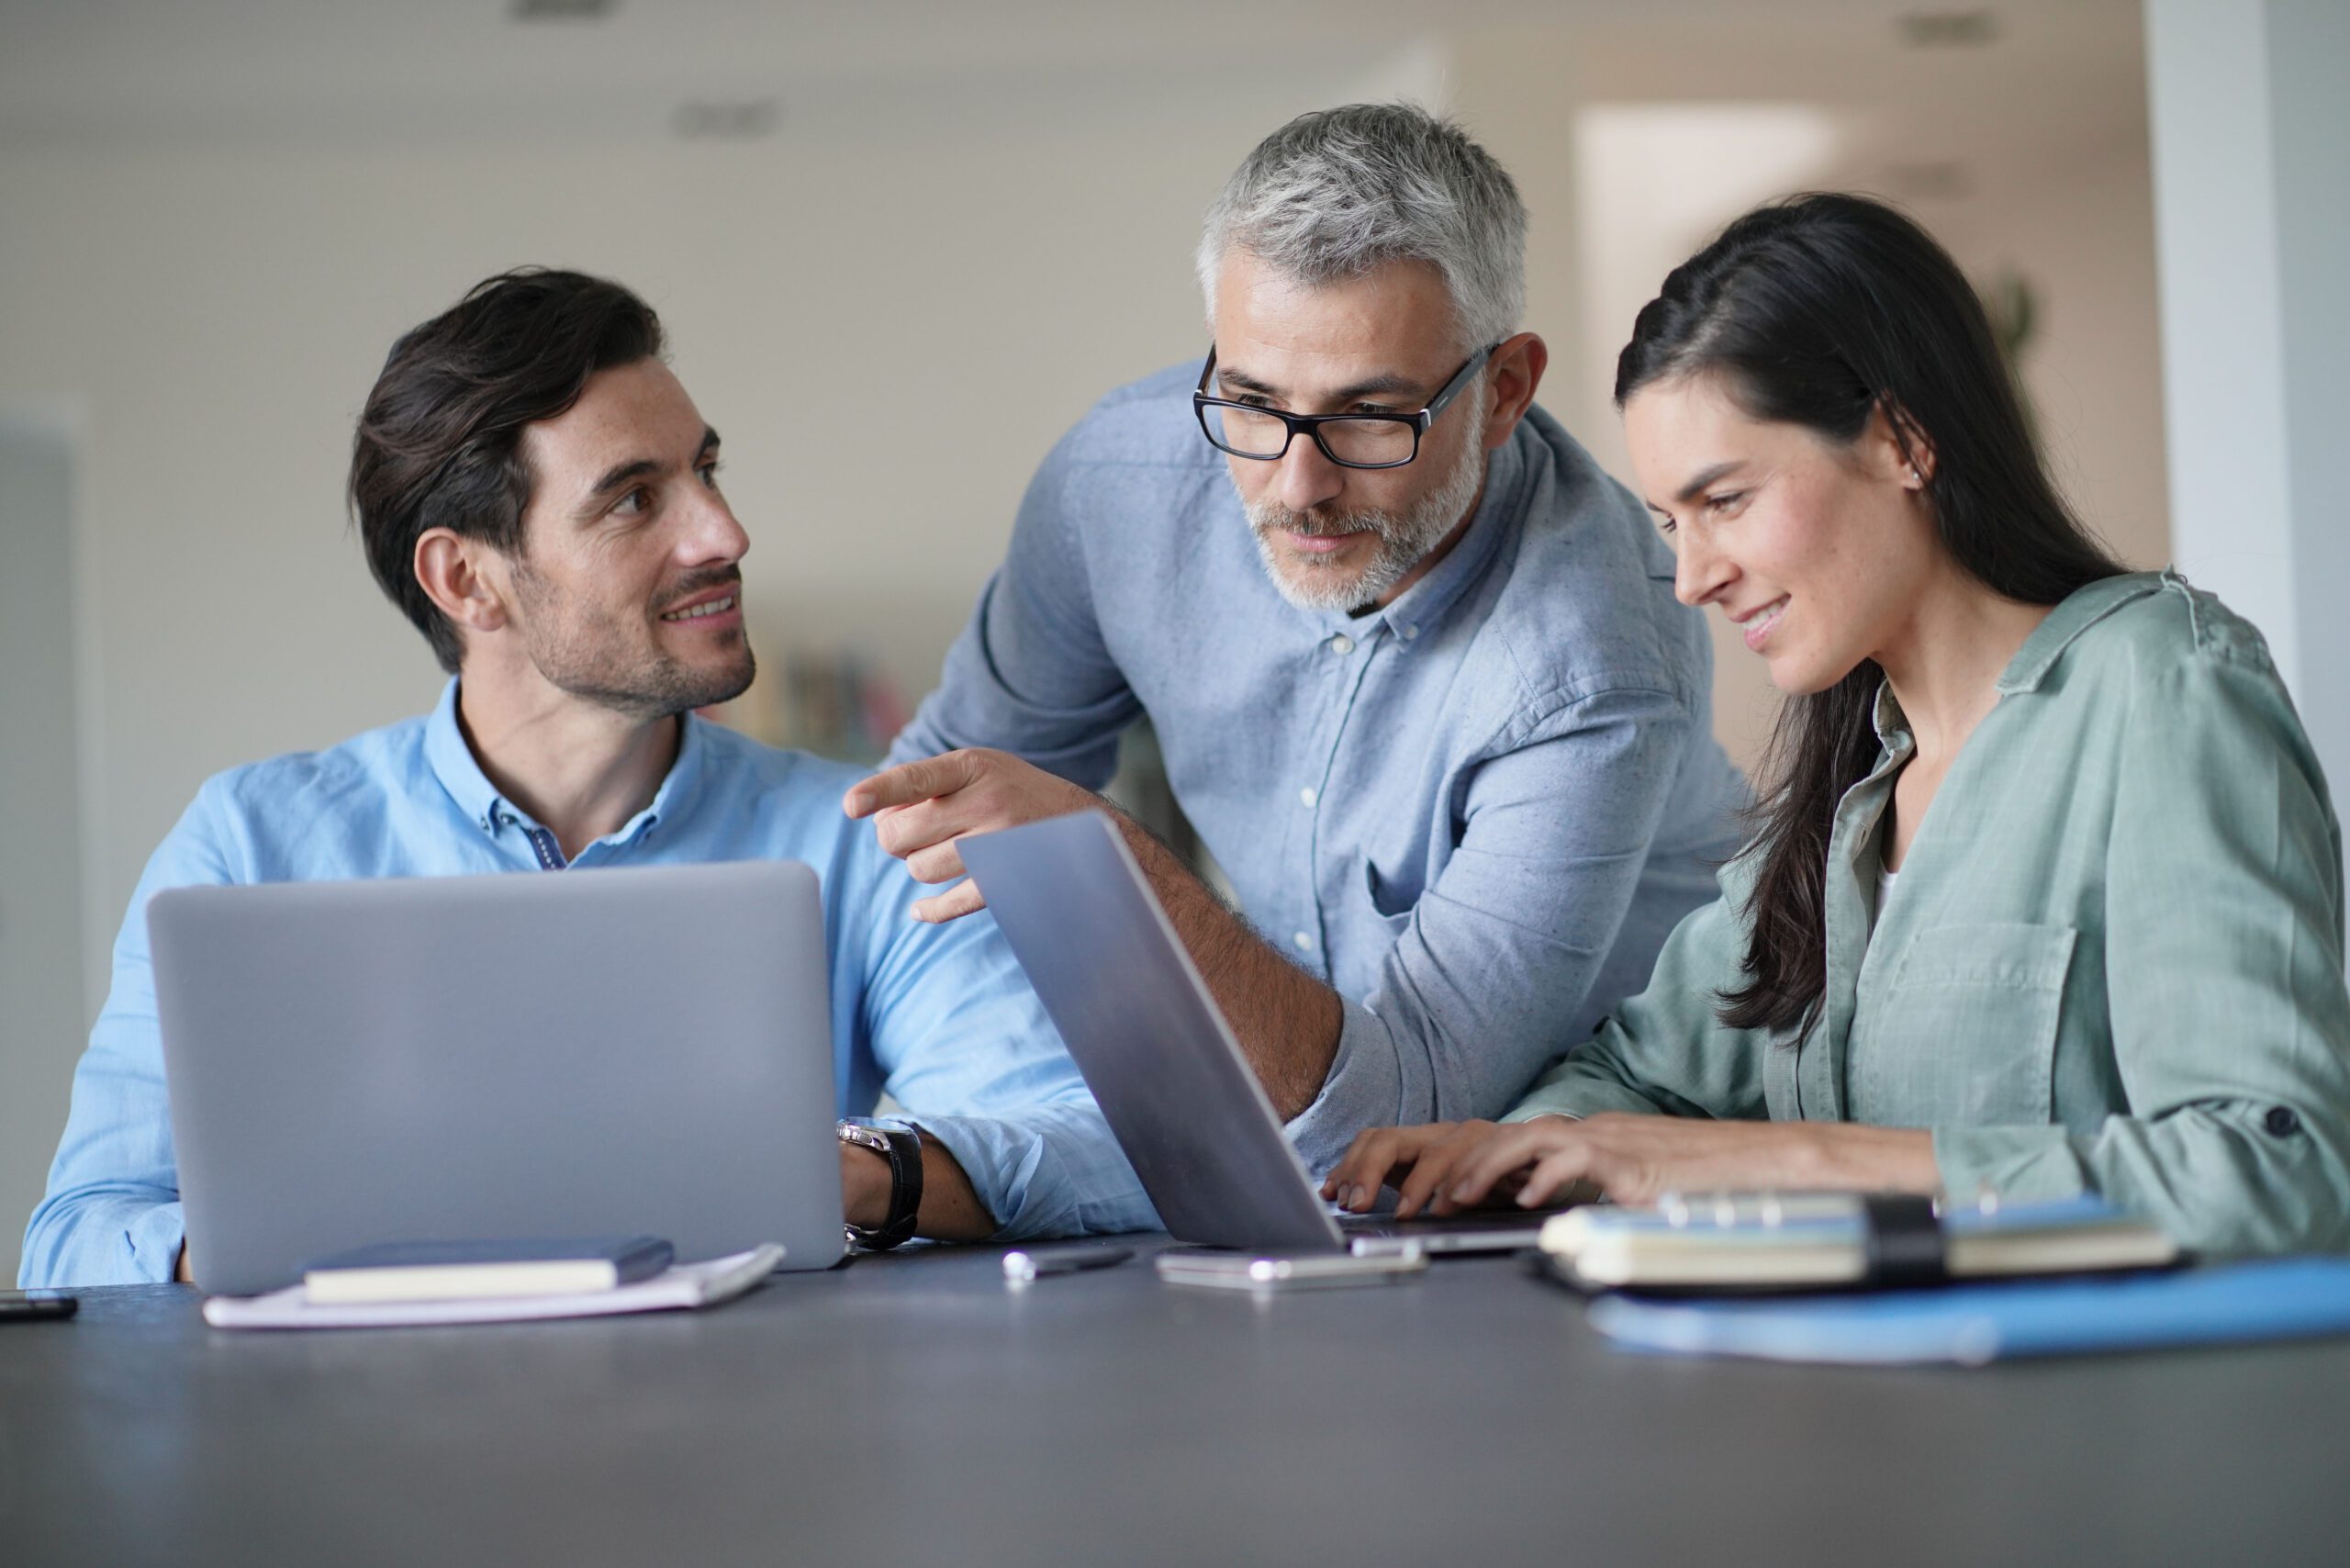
(1404, 538)
(600, 658)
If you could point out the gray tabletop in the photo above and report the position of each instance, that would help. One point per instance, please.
(917, 1409)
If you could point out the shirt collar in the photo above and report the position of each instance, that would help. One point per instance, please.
(2079, 610)
(1425, 602)
(453, 764)
(2076, 613)
(1891, 724)
(460, 773)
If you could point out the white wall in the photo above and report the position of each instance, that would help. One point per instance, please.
(41, 845)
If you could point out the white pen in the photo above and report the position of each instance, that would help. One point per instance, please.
(1023, 1265)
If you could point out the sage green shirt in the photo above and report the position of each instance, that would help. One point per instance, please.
(2113, 962)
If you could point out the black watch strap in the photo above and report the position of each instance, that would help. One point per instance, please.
(905, 1192)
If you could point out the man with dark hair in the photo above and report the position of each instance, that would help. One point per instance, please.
(537, 492)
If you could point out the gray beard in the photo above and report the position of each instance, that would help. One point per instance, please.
(1404, 538)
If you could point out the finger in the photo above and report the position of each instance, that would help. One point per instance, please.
(1448, 1157)
(1507, 1151)
(956, 902)
(903, 831)
(1554, 1173)
(1383, 1157)
(939, 863)
(1364, 1165)
(909, 782)
(1423, 1189)
(1426, 1172)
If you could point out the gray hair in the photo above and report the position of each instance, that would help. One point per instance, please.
(1338, 193)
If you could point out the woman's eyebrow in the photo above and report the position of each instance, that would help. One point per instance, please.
(1706, 476)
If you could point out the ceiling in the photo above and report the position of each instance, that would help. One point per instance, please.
(166, 71)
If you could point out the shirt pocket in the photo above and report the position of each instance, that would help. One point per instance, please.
(1964, 1033)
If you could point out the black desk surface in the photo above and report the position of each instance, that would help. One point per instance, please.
(916, 1410)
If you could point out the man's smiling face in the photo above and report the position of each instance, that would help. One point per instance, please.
(628, 589)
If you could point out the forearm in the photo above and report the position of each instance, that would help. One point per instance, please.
(1286, 1021)
(1629, 1159)
(1854, 1159)
(2225, 1178)
(1046, 1170)
(950, 1208)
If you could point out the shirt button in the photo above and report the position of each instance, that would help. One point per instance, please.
(1306, 796)
(2281, 1122)
(1305, 940)
(1342, 643)
(1410, 632)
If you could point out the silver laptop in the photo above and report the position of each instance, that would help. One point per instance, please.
(1162, 1062)
(644, 1051)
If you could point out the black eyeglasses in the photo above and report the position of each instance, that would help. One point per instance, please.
(1350, 440)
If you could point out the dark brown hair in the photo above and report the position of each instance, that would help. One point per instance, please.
(439, 441)
(1817, 311)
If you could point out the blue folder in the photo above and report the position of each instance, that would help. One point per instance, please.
(2289, 1298)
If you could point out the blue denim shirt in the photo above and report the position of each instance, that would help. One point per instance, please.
(1476, 813)
(940, 1016)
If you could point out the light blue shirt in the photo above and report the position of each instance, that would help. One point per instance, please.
(940, 1016)
(1476, 813)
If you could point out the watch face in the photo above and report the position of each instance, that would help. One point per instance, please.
(863, 1137)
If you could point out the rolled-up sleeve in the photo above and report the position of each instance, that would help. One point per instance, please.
(2231, 1026)
(965, 1048)
(111, 1213)
(1486, 982)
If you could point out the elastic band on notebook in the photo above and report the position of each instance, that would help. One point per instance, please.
(1902, 1240)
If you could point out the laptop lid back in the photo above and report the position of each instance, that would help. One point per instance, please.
(641, 1051)
(1161, 1062)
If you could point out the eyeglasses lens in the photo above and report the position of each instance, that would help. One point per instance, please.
(1368, 443)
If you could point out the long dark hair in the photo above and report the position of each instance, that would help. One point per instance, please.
(1818, 311)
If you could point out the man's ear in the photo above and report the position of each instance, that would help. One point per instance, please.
(1511, 375)
(458, 576)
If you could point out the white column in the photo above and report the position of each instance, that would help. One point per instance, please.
(2250, 108)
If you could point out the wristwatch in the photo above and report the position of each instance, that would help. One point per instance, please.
(901, 1147)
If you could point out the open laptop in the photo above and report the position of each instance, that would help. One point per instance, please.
(643, 1051)
(1161, 1060)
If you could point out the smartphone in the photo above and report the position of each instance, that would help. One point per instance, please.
(1249, 1271)
(33, 1306)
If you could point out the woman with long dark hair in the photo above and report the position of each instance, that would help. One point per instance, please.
(2044, 894)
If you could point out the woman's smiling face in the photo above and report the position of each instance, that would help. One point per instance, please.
(1818, 552)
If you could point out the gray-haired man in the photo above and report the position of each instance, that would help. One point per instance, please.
(1413, 660)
